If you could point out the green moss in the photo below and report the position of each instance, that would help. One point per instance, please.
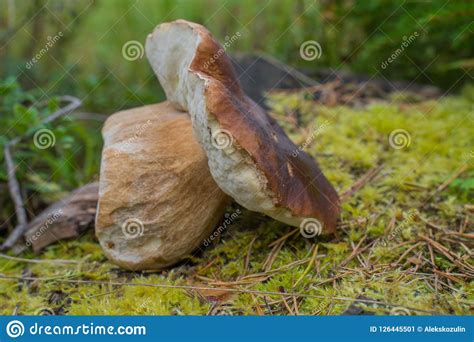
(347, 143)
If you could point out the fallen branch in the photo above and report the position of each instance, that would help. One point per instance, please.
(65, 219)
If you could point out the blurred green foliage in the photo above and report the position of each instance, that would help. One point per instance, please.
(354, 35)
(71, 160)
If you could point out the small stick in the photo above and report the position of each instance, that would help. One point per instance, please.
(209, 264)
(430, 224)
(356, 251)
(464, 235)
(451, 179)
(439, 247)
(273, 254)
(404, 254)
(430, 249)
(258, 309)
(15, 310)
(446, 183)
(39, 261)
(247, 256)
(287, 305)
(15, 193)
(74, 103)
(446, 252)
(295, 306)
(464, 225)
(14, 186)
(447, 275)
(465, 248)
(342, 275)
(310, 264)
(284, 237)
(269, 308)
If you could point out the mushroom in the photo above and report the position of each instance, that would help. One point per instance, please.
(249, 155)
(157, 199)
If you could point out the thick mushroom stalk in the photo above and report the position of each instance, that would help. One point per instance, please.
(157, 199)
(249, 154)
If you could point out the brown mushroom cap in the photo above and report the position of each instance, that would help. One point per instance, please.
(260, 169)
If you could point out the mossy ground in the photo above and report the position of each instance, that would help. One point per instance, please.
(394, 262)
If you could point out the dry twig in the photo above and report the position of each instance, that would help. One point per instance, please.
(359, 184)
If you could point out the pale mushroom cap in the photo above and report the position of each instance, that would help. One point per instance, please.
(257, 168)
(157, 200)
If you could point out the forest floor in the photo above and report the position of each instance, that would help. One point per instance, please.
(404, 167)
